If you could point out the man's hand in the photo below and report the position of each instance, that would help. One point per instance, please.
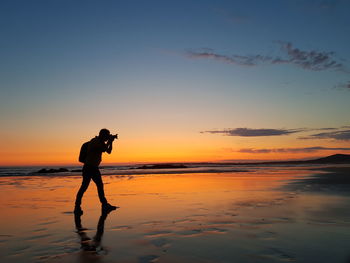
(111, 139)
(109, 144)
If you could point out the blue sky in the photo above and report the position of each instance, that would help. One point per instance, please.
(172, 65)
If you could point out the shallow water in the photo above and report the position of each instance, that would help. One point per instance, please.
(225, 217)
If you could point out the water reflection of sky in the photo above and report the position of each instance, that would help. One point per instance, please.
(246, 217)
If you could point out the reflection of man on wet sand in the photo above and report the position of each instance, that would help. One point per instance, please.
(91, 156)
(87, 244)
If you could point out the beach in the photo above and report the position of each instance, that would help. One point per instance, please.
(258, 214)
(220, 129)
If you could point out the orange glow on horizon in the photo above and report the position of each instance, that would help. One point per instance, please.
(157, 148)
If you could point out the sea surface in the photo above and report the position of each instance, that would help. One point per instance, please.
(136, 169)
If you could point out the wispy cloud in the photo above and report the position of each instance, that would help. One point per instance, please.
(343, 86)
(325, 129)
(249, 132)
(309, 60)
(293, 150)
(233, 59)
(343, 135)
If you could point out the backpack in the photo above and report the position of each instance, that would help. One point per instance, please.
(83, 152)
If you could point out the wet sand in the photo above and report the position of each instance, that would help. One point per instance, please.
(267, 215)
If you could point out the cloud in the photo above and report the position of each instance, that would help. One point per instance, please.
(343, 135)
(326, 129)
(234, 59)
(343, 86)
(293, 150)
(309, 60)
(248, 132)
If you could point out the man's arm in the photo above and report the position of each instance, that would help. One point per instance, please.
(109, 145)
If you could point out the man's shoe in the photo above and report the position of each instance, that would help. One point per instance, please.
(77, 210)
(109, 207)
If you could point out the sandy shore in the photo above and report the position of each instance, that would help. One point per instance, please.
(278, 215)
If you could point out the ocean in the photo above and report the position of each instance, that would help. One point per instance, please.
(139, 169)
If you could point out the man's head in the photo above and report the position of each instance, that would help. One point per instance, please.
(104, 134)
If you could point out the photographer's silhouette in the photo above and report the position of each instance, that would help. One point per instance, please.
(91, 156)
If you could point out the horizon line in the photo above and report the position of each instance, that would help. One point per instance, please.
(163, 162)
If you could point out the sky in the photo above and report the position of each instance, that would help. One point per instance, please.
(177, 80)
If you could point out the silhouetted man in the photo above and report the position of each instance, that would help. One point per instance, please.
(92, 159)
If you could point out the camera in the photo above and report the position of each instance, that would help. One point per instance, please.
(111, 136)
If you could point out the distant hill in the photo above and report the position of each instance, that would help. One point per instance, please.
(332, 159)
(336, 158)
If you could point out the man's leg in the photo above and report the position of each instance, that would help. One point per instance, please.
(84, 185)
(98, 181)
